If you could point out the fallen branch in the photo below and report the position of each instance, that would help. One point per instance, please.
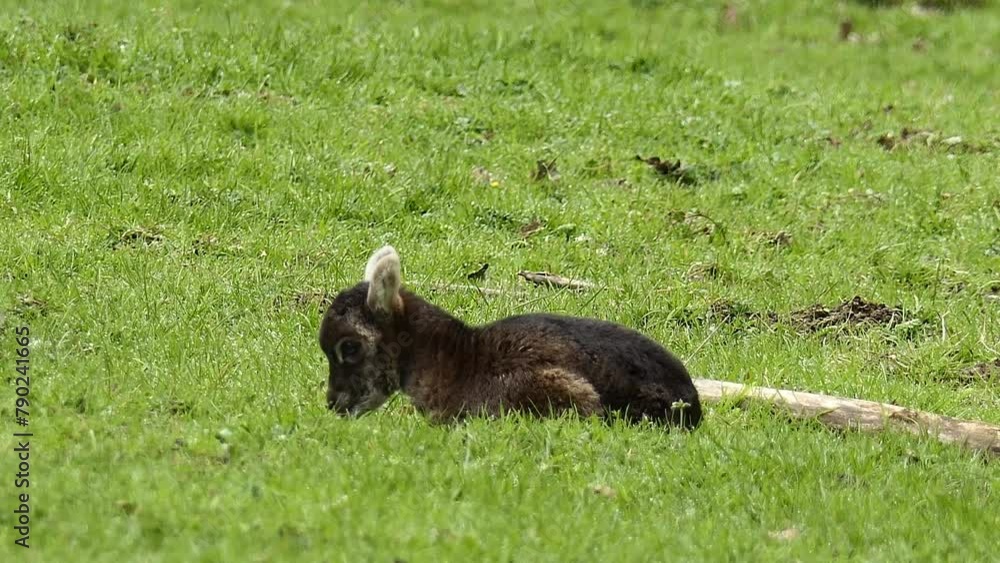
(490, 291)
(869, 416)
(552, 280)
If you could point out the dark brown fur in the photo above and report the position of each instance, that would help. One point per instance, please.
(537, 363)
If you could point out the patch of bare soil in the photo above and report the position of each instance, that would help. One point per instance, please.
(138, 236)
(909, 137)
(984, 371)
(695, 223)
(775, 239)
(28, 307)
(701, 271)
(730, 311)
(311, 298)
(906, 137)
(856, 311)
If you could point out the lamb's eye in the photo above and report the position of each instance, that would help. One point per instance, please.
(348, 348)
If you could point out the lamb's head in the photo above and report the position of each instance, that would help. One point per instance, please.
(359, 340)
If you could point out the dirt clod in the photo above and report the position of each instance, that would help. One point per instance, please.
(670, 169)
(856, 311)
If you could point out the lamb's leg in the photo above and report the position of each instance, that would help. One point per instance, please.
(553, 391)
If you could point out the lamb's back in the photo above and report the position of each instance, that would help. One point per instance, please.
(614, 358)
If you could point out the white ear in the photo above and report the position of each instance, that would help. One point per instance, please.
(383, 274)
(373, 261)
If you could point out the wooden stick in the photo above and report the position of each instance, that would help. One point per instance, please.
(869, 416)
(489, 291)
(553, 280)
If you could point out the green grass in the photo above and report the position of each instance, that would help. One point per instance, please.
(178, 183)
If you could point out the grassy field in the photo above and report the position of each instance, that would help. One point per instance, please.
(180, 186)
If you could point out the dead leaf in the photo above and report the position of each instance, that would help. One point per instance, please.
(788, 534)
(604, 491)
(952, 141)
(533, 227)
(31, 302)
(730, 16)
